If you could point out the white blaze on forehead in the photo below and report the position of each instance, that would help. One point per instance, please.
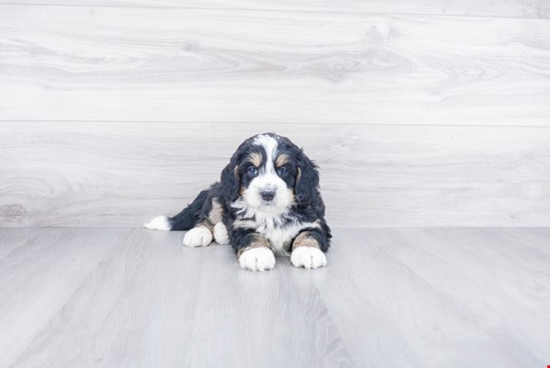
(268, 180)
(270, 145)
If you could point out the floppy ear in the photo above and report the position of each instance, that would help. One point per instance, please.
(306, 189)
(230, 180)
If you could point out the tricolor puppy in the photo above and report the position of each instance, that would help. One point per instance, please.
(267, 203)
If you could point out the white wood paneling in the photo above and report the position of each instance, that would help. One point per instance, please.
(170, 64)
(120, 174)
(114, 113)
(506, 8)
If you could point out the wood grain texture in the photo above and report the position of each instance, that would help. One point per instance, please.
(440, 296)
(122, 174)
(425, 298)
(153, 302)
(509, 8)
(134, 310)
(157, 64)
(38, 278)
(10, 241)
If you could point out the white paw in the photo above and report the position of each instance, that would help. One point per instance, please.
(220, 233)
(197, 237)
(308, 257)
(158, 223)
(257, 259)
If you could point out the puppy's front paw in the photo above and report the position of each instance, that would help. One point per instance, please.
(197, 237)
(308, 257)
(257, 259)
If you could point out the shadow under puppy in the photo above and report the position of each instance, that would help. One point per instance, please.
(267, 202)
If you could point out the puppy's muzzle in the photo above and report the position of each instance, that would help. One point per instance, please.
(267, 195)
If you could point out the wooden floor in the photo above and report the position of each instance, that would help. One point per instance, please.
(435, 297)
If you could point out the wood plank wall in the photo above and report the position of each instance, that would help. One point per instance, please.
(419, 113)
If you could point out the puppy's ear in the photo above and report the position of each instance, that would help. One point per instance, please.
(230, 180)
(307, 181)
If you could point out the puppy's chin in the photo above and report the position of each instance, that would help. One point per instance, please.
(271, 208)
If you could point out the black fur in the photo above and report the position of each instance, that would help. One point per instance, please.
(187, 219)
(301, 176)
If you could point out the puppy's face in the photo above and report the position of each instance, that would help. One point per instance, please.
(268, 173)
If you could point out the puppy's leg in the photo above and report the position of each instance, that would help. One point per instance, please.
(253, 251)
(221, 236)
(199, 236)
(306, 250)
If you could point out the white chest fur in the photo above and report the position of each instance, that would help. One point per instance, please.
(277, 227)
(280, 236)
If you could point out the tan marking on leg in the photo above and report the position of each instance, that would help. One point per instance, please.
(282, 159)
(216, 213)
(255, 158)
(215, 216)
(257, 241)
(305, 239)
(207, 224)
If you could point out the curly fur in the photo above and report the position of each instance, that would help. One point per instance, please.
(267, 195)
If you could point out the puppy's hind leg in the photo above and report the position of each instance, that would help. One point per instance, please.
(221, 235)
(210, 225)
(199, 236)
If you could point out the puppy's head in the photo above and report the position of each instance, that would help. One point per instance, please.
(270, 174)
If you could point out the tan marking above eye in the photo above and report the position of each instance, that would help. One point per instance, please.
(282, 159)
(255, 159)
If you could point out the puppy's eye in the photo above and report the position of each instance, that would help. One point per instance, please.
(253, 170)
(282, 171)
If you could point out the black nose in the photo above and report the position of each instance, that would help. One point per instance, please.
(268, 195)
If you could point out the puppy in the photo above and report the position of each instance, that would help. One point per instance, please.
(267, 202)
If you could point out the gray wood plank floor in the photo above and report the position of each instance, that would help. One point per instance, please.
(389, 298)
